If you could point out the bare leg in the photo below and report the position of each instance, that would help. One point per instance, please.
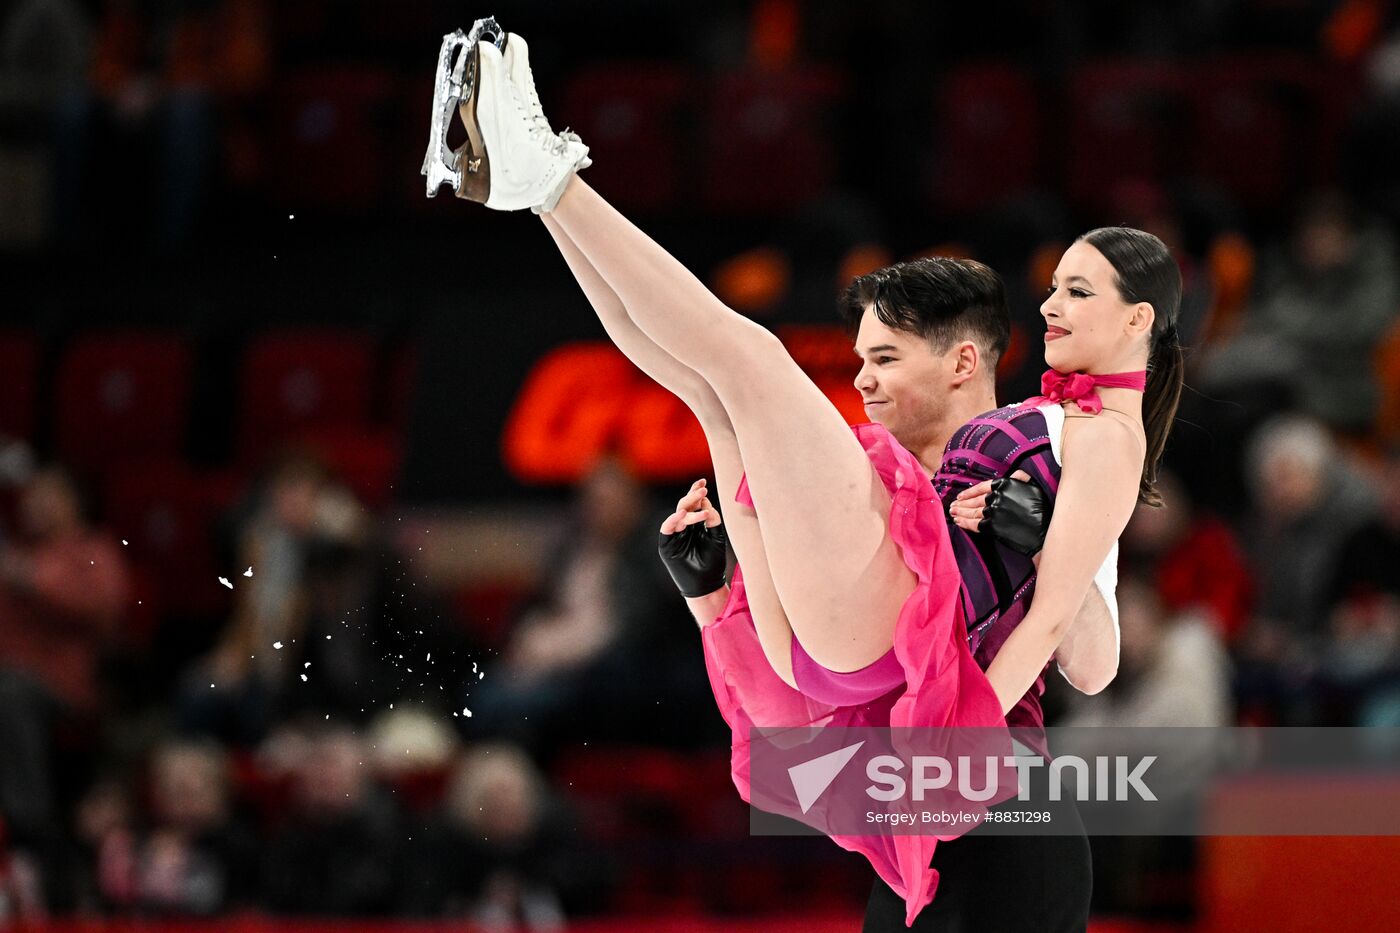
(825, 512)
(740, 521)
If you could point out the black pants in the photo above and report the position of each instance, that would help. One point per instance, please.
(1002, 883)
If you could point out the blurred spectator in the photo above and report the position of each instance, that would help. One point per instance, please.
(503, 852)
(327, 623)
(333, 854)
(1358, 669)
(16, 469)
(413, 750)
(608, 642)
(1173, 669)
(16, 462)
(1194, 559)
(1368, 566)
(578, 622)
(105, 823)
(1360, 664)
(194, 859)
(158, 72)
(1321, 305)
(21, 899)
(304, 539)
(1373, 142)
(1307, 501)
(45, 49)
(63, 587)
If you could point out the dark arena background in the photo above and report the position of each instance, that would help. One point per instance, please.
(371, 633)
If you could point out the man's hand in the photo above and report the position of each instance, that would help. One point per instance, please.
(1013, 510)
(693, 545)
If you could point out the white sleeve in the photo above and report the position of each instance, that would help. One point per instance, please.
(1106, 580)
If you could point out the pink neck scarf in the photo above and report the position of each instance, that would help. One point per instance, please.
(1080, 388)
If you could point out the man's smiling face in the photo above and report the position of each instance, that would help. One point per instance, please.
(903, 383)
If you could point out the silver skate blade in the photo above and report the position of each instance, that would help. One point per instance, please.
(452, 85)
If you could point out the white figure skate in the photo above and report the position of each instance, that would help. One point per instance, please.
(512, 159)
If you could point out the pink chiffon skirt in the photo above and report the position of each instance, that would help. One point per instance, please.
(944, 687)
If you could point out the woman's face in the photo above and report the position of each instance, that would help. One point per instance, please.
(1088, 325)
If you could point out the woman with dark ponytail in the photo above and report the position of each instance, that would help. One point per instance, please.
(1108, 403)
(1145, 272)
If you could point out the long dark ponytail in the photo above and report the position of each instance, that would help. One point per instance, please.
(1147, 272)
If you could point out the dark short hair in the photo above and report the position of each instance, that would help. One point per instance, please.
(942, 300)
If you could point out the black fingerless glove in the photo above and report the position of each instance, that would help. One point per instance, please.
(695, 557)
(1017, 514)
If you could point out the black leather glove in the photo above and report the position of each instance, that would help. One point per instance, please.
(1017, 514)
(695, 557)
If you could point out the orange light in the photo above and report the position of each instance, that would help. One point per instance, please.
(755, 281)
(585, 399)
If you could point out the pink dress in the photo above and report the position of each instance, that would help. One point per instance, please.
(938, 683)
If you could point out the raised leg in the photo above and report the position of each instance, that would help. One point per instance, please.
(740, 521)
(824, 512)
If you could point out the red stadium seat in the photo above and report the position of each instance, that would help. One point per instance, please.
(633, 793)
(422, 789)
(122, 397)
(623, 793)
(1252, 153)
(365, 457)
(630, 116)
(1121, 124)
(988, 131)
(269, 794)
(487, 609)
(1271, 122)
(328, 146)
(19, 362)
(167, 511)
(295, 383)
(768, 140)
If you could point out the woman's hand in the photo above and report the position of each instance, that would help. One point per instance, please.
(693, 545)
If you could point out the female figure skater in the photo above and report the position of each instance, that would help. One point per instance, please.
(844, 545)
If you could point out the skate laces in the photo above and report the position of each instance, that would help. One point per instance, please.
(539, 130)
(527, 100)
(532, 100)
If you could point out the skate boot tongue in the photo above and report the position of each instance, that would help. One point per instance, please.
(453, 86)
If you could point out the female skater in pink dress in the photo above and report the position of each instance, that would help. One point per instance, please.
(845, 547)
